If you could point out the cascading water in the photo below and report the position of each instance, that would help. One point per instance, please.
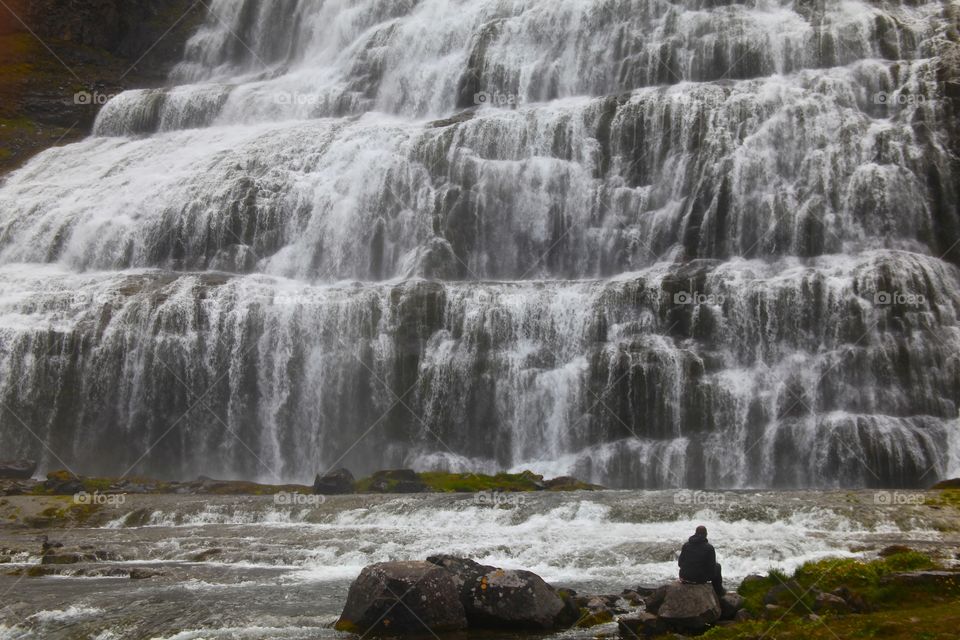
(648, 243)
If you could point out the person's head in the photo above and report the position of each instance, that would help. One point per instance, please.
(702, 531)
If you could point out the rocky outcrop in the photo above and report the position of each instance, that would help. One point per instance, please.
(336, 482)
(57, 50)
(402, 598)
(397, 481)
(829, 603)
(952, 483)
(63, 483)
(17, 469)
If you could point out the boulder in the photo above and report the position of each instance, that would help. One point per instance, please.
(336, 482)
(466, 573)
(729, 605)
(640, 625)
(829, 603)
(17, 469)
(854, 600)
(689, 608)
(63, 483)
(742, 616)
(397, 481)
(514, 599)
(402, 597)
(653, 601)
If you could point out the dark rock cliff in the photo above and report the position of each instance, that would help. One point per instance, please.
(61, 59)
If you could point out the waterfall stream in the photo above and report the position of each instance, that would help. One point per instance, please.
(651, 244)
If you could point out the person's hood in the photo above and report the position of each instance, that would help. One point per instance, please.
(697, 538)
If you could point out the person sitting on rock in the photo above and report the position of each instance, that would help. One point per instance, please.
(698, 562)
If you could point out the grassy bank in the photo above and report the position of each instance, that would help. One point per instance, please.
(885, 603)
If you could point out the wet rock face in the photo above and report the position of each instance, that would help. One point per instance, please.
(402, 597)
(93, 48)
(17, 469)
(121, 27)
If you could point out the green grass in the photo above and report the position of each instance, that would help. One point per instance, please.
(441, 482)
(898, 612)
(935, 622)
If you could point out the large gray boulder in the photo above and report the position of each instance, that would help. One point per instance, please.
(689, 608)
(391, 598)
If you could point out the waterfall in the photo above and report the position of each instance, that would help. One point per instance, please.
(651, 244)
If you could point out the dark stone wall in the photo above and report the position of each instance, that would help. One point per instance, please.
(51, 50)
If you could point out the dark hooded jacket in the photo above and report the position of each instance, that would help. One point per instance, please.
(697, 560)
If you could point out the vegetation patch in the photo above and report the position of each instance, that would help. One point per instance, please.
(883, 604)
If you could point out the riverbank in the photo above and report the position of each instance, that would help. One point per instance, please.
(446, 593)
(87, 491)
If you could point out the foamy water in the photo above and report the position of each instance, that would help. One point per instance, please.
(279, 571)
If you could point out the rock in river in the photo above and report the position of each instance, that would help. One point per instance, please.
(402, 597)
